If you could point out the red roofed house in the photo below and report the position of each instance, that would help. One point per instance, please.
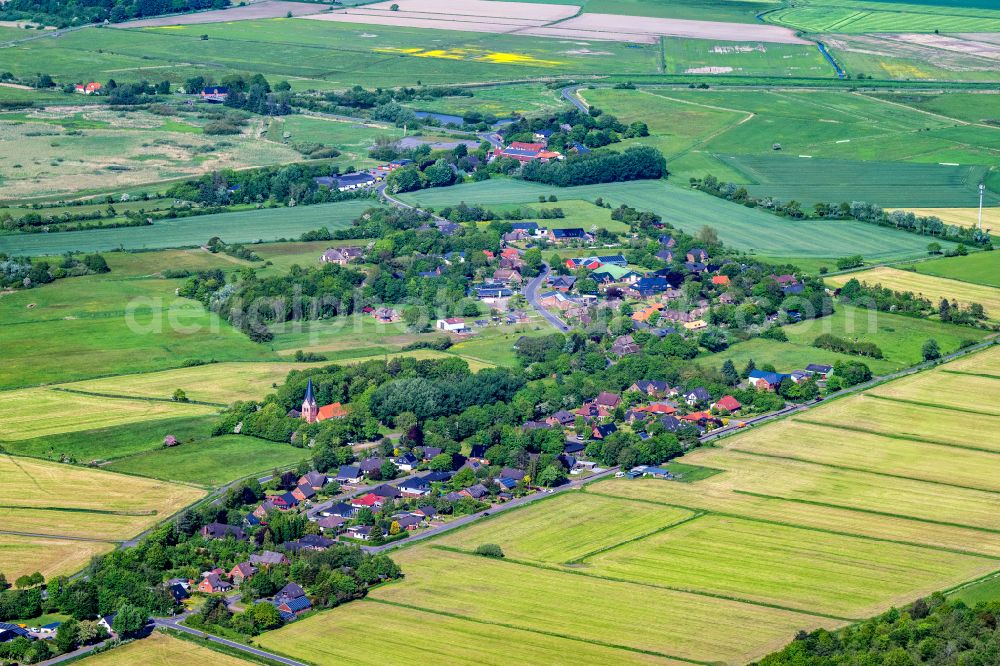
(658, 408)
(241, 572)
(720, 279)
(370, 500)
(331, 411)
(728, 403)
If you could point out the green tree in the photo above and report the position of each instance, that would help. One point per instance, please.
(68, 635)
(730, 373)
(129, 621)
(931, 351)
(490, 550)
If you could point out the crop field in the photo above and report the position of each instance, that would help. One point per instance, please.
(113, 442)
(162, 650)
(334, 635)
(50, 498)
(66, 412)
(948, 390)
(218, 383)
(750, 58)
(712, 554)
(899, 337)
(739, 227)
(979, 268)
(63, 150)
(567, 528)
(21, 555)
(240, 227)
(915, 56)
(932, 287)
(199, 462)
(687, 626)
(858, 16)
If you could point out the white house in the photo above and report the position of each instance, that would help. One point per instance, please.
(451, 325)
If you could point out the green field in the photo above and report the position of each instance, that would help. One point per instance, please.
(242, 227)
(899, 337)
(737, 226)
(212, 462)
(737, 11)
(970, 107)
(788, 356)
(112, 442)
(501, 101)
(567, 528)
(979, 268)
(858, 16)
(709, 57)
(984, 590)
(334, 636)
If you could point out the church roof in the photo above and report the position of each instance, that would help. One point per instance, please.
(310, 398)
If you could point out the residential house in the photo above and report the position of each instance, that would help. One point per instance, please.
(386, 491)
(285, 501)
(571, 234)
(362, 532)
(106, 621)
(561, 283)
(315, 480)
(215, 94)
(427, 512)
(214, 584)
(507, 276)
(652, 388)
(303, 493)
(561, 418)
(312, 542)
(727, 403)
(88, 88)
(429, 452)
(768, 381)
(720, 280)
(624, 345)
(370, 501)
(341, 509)
(608, 273)
(822, 370)
(406, 462)
(697, 396)
(696, 325)
(370, 466)
(241, 572)
(647, 287)
(697, 255)
(349, 474)
(667, 241)
(331, 524)
(221, 531)
(573, 448)
(415, 487)
(603, 431)
(342, 256)
(267, 558)
(407, 522)
(477, 491)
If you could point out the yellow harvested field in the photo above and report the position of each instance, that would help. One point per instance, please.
(876, 453)
(672, 624)
(333, 637)
(36, 412)
(904, 420)
(979, 394)
(163, 650)
(646, 26)
(929, 286)
(21, 555)
(70, 495)
(223, 383)
(99, 526)
(960, 217)
(807, 482)
(986, 361)
(787, 566)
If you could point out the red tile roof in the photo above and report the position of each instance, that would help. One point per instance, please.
(332, 411)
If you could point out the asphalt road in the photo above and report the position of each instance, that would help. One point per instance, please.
(531, 295)
(569, 94)
(175, 623)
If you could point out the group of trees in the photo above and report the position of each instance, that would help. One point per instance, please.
(18, 272)
(881, 298)
(856, 210)
(845, 346)
(636, 163)
(566, 129)
(930, 631)
(82, 12)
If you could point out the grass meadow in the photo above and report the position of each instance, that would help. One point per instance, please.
(739, 227)
(930, 286)
(978, 268)
(334, 636)
(707, 56)
(857, 16)
(266, 224)
(787, 356)
(211, 462)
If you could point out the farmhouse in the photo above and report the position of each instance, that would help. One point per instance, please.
(215, 94)
(574, 233)
(768, 381)
(527, 152)
(88, 88)
(452, 325)
(342, 256)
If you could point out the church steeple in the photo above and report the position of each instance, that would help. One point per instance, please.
(309, 409)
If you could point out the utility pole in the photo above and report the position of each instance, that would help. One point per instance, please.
(982, 188)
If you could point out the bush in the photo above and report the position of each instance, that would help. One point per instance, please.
(490, 550)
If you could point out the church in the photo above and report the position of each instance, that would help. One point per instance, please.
(311, 413)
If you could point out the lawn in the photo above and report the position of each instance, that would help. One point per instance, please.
(928, 286)
(160, 649)
(686, 626)
(791, 567)
(50, 498)
(333, 637)
(113, 442)
(244, 227)
(21, 555)
(212, 462)
(21, 410)
(738, 227)
(567, 528)
(899, 337)
(218, 383)
(979, 268)
(984, 590)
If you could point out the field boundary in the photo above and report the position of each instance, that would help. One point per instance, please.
(579, 560)
(985, 375)
(141, 398)
(922, 403)
(889, 435)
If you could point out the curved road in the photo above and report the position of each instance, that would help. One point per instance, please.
(531, 294)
